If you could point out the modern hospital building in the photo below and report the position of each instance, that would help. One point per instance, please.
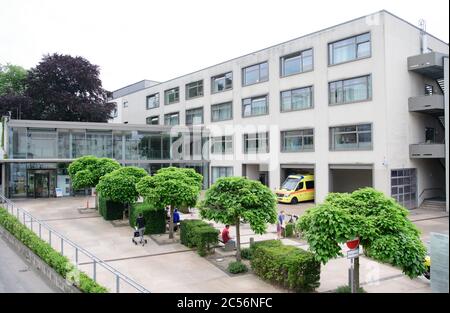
(362, 103)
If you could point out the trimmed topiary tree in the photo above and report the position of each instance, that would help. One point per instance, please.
(381, 224)
(155, 217)
(231, 200)
(173, 187)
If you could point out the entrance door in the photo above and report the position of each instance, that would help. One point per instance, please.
(264, 178)
(40, 183)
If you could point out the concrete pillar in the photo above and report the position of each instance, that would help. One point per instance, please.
(446, 115)
(3, 190)
(321, 181)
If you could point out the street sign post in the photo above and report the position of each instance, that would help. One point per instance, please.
(353, 255)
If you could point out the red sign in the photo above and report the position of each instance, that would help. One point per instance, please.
(353, 244)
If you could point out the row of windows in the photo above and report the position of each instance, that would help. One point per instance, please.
(340, 92)
(345, 50)
(351, 137)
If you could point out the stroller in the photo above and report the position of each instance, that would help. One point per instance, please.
(136, 234)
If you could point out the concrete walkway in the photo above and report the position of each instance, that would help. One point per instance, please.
(174, 268)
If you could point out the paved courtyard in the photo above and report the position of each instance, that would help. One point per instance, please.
(175, 268)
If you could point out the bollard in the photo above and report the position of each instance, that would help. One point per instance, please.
(117, 283)
(252, 241)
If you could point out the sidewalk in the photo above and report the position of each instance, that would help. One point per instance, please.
(175, 268)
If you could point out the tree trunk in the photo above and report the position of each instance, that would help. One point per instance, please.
(238, 241)
(171, 222)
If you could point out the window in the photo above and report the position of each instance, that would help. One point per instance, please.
(297, 63)
(297, 140)
(296, 99)
(404, 187)
(222, 145)
(172, 95)
(350, 90)
(194, 89)
(194, 116)
(349, 49)
(222, 112)
(152, 120)
(256, 143)
(255, 106)
(115, 113)
(255, 74)
(429, 90)
(125, 104)
(222, 82)
(352, 137)
(300, 186)
(220, 171)
(152, 101)
(310, 184)
(172, 119)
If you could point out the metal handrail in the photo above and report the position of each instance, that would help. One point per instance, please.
(430, 189)
(95, 260)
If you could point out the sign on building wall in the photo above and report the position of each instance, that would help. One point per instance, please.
(439, 262)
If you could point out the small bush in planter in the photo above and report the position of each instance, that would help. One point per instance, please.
(237, 267)
(246, 253)
(289, 230)
(346, 289)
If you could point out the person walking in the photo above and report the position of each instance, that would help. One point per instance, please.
(281, 224)
(140, 224)
(176, 219)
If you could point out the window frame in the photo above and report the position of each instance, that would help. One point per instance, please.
(151, 117)
(356, 51)
(255, 97)
(223, 140)
(186, 95)
(282, 148)
(311, 87)
(125, 104)
(221, 104)
(369, 89)
(157, 101)
(332, 135)
(193, 109)
(220, 167)
(245, 136)
(293, 54)
(224, 76)
(259, 70)
(170, 89)
(172, 113)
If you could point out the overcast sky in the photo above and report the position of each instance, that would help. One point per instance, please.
(162, 39)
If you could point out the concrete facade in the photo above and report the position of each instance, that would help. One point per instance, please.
(394, 128)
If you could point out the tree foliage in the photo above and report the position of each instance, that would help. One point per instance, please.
(172, 187)
(380, 222)
(86, 171)
(12, 79)
(231, 200)
(20, 106)
(66, 88)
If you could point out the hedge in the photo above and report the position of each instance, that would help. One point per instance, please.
(110, 210)
(54, 259)
(199, 234)
(286, 266)
(155, 218)
(289, 230)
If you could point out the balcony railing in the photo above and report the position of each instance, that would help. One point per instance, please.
(427, 150)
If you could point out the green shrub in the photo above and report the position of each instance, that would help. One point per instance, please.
(155, 218)
(43, 250)
(289, 230)
(199, 234)
(286, 266)
(205, 238)
(346, 289)
(246, 253)
(110, 210)
(237, 267)
(265, 243)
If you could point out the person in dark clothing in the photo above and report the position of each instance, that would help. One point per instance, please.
(176, 219)
(140, 224)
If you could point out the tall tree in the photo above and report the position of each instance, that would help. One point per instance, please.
(66, 88)
(19, 106)
(12, 79)
(231, 200)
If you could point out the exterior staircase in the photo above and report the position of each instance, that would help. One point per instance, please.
(433, 205)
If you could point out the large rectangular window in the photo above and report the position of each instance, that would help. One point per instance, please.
(351, 137)
(152, 101)
(172, 119)
(222, 82)
(350, 90)
(255, 106)
(222, 112)
(222, 145)
(194, 89)
(255, 74)
(152, 120)
(42, 143)
(172, 95)
(297, 140)
(404, 187)
(194, 116)
(99, 143)
(256, 143)
(297, 63)
(296, 99)
(220, 171)
(349, 49)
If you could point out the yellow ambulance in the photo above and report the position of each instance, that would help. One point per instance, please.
(296, 188)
